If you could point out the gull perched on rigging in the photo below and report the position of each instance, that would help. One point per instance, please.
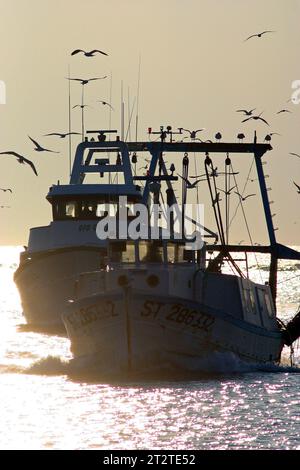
(259, 35)
(240, 137)
(247, 113)
(243, 198)
(88, 53)
(62, 136)
(256, 118)
(190, 185)
(297, 186)
(6, 189)
(85, 81)
(39, 148)
(21, 159)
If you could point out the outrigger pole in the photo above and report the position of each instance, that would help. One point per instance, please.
(266, 203)
(156, 149)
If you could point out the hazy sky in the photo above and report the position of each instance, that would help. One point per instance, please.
(196, 70)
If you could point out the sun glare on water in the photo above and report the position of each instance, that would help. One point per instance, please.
(9, 296)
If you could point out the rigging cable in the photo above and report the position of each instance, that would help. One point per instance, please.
(245, 218)
(243, 192)
(208, 162)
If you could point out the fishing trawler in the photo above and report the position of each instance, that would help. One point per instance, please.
(58, 253)
(160, 305)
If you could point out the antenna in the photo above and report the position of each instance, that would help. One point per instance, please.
(110, 96)
(128, 114)
(109, 123)
(129, 120)
(138, 100)
(70, 136)
(82, 113)
(122, 113)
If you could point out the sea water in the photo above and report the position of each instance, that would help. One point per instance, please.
(44, 405)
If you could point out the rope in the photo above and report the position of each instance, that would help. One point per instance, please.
(288, 279)
(212, 198)
(196, 173)
(244, 214)
(242, 193)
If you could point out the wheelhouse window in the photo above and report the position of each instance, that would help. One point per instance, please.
(83, 209)
(123, 252)
(151, 252)
(64, 210)
(71, 210)
(269, 306)
(175, 253)
(88, 210)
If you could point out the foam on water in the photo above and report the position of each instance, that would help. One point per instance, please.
(50, 365)
(217, 364)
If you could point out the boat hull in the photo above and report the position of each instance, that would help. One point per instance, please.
(47, 280)
(130, 332)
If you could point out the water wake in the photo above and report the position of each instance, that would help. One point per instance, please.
(50, 365)
(218, 364)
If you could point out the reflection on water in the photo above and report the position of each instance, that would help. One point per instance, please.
(45, 406)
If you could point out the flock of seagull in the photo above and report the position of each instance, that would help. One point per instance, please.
(38, 147)
(248, 115)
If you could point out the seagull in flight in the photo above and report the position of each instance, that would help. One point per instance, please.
(284, 111)
(6, 189)
(144, 167)
(62, 136)
(297, 186)
(228, 193)
(215, 173)
(217, 199)
(247, 113)
(295, 154)
(39, 148)
(105, 103)
(21, 159)
(193, 134)
(88, 53)
(190, 185)
(81, 106)
(268, 137)
(256, 118)
(243, 198)
(84, 81)
(259, 35)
